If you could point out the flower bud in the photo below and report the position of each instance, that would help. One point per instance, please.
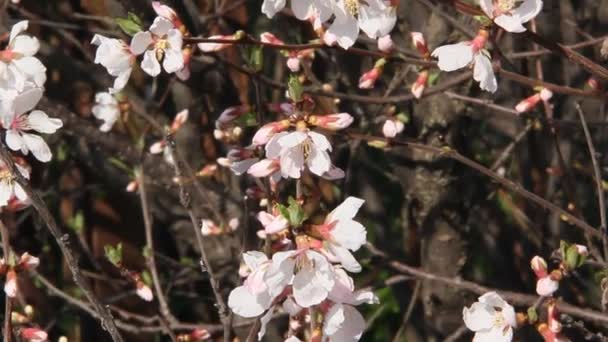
(420, 44)
(539, 266)
(207, 170)
(10, 284)
(385, 44)
(33, 334)
(230, 114)
(132, 186)
(233, 223)
(528, 104)
(332, 121)
(28, 262)
(158, 147)
(215, 47)
(143, 291)
(546, 94)
(546, 286)
(582, 250)
(330, 39)
(420, 84)
(392, 127)
(368, 79)
(269, 38)
(199, 335)
(293, 63)
(179, 120)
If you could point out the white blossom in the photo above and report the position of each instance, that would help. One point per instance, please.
(107, 109)
(511, 14)
(299, 150)
(491, 318)
(9, 188)
(18, 66)
(116, 57)
(163, 42)
(19, 121)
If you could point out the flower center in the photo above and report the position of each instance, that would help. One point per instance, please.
(306, 148)
(160, 46)
(352, 7)
(5, 175)
(506, 6)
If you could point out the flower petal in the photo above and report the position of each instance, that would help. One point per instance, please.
(140, 42)
(38, 146)
(453, 56)
(40, 122)
(150, 64)
(161, 26)
(483, 72)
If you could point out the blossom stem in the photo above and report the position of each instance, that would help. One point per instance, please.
(8, 302)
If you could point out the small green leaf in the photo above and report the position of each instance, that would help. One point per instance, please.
(134, 18)
(433, 78)
(76, 222)
(247, 120)
(114, 254)
(295, 213)
(295, 88)
(146, 278)
(128, 25)
(532, 315)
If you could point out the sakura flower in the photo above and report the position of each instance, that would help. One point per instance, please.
(420, 44)
(299, 150)
(116, 56)
(272, 7)
(28, 261)
(9, 188)
(18, 67)
(162, 43)
(316, 11)
(342, 234)
(168, 13)
(255, 295)
(33, 335)
(374, 17)
(511, 14)
(392, 127)
(107, 109)
(18, 121)
(266, 132)
(491, 318)
(344, 291)
(309, 272)
(272, 223)
(457, 56)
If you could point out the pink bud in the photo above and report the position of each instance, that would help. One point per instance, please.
(546, 286)
(33, 334)
(272, 224)
(28, 261)
(420, 84)
(199, 335)
(264, 168)
(232, 113)
(293, 63)
(594, 84)
(263, 135)
(539, 266)
(332, 121)
(207, 170)
(144, 292)
(214, 47)
(270, 38)
(368, 79)
(209, 228)
(479, 42)
(420, 43)
(158, 147)
(391, 128)
(179, 120)
(10, 285)
(132, 186)
(385, 44)
(528, 104)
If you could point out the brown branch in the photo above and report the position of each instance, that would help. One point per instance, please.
(63, 240)
(8, 302)
(516, 298)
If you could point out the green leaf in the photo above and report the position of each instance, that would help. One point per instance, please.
(134, 18)
(76, 222)
(247, 120)
(129, 25)
(295, 213)
(295, 88)
(433, 78)
(256, 58)
(114, 254)
(146, 278)
(532, 315)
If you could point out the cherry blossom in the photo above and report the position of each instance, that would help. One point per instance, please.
(18, 67)
(107, 109)
(299, 150)
(116, 56)
(19, 118)
(162, 43)
(143, 291)
(255, 295)
(546, 284)
(239, 160)
(343, 323)
(33, 334)
(491, 318)
(266, 132)
(386, 44)
(457, 56)
(374, 17)
(342, 234)
(9, 188)
(511, 14)
(529, 103)
(272, 223)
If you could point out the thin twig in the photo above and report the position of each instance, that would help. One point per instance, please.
(63, 240)
(165, 311)
(185, 199)
(8, 301)
(598, 180)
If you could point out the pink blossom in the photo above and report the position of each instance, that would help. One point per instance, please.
(332, 122)
(420, 84)
(33, 334)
